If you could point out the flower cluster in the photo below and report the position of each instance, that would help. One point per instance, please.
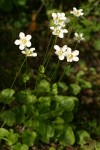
(66, 52)
(59, 23)
(24, 44)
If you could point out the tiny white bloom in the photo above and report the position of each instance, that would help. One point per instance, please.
(78, 37)
(77, 12)
(24, 41)
(59, 19)
(60, 51)
(72, 56)
(58, 31)
(29, 52)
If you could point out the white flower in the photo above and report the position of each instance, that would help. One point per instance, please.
(24, 41)
(59, 19)
(58, 31)
(77, 12)
(29, 52)
(72, 56)
(78, 37)
(60, 51)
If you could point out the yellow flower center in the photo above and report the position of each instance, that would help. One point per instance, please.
(24, 41)
(28, 52)
(60, 52)
(70, 56)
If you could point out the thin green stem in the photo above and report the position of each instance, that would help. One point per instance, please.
(62, 75)
(76, 46)
(55, 71)
(46, 54)
(26, 73)
(18, 73)
(50, 52)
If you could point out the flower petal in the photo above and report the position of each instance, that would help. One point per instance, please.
(34, 54)
(52, 28)
(23, 52)
(61, 57)
(61, 35)
(28, 44)
(56, 47)
(17, 42)
(65, 31)
(54, 15)
(75, 53)
(21, 35)
(64, 48)
(28, 37)
(22, 46)
(69, 50)
(32, 49)
(75, 58)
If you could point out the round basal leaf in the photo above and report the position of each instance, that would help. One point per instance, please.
(43, 87)
(75, 89)
(8, 117)
(24, 147)
(30, 98)
(67, 116)
(8, 93)
(19, 146)
(12, 138)
(83, 137)
(58, 120)
(6, 96)
(68, 137)
(3, 133)
(48, 133)
(28, 137)
(65, 102)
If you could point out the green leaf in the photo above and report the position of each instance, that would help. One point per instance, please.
(58, 120)
(75, 89)
(54, 90)
(6, 96)
(65, 102)
(62, 87)
(24, 147)
(12, 138)
(43, 87)
(67, 116)
(3, 133)
(8, 117)
(19, 146)
(28, 137)
(68, 137)
(48, 133)
(83, 137)
(85, 84)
